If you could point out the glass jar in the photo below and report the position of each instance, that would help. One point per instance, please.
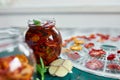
(16, 59)
(45, 40)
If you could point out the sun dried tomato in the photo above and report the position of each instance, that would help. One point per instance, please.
(76, 41)
(118, 51)
(113, 66)
(92, 36)
(89, 45)
(114, 39)
(67, 41)
(76, 47)
(103, 37)
(94, 64)
(111, 57)
(96, 52)
(84, 37)
(73, 56)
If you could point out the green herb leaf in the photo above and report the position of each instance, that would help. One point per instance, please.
(41, 69)
(37, 22)
(37, 79)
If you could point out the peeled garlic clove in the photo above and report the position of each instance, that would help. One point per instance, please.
(68, 65)
(61, 72)
(52, 70)
(57, 62)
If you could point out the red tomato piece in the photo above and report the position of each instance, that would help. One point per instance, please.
(84, 37)
(96, 52)
(92, 36)
(74, 56)
(118, 51)
(89, 45)
(111, 57)
(103, 36)
(113, 66)
(94, 64)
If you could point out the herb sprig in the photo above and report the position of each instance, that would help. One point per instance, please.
(36, 22)
(41, 69)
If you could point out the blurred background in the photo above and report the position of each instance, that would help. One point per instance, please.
(67, 13)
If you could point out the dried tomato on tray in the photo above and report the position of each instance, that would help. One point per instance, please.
(96, 52)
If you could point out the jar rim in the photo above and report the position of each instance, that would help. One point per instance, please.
(42, 21)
